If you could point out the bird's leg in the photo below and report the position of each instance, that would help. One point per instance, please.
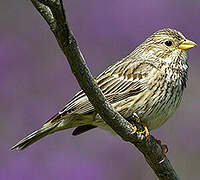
(163, 147)
(134, 120)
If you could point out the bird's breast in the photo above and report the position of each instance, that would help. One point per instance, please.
(161, 98)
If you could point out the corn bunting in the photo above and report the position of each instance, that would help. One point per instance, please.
(148, 84)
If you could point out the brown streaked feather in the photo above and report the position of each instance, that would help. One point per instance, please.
(116, 86)
(35, 136)
(86, 107)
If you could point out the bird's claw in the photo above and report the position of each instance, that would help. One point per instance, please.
(163, 147)
(141, 133)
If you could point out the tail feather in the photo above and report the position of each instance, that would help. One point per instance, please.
(33, 137)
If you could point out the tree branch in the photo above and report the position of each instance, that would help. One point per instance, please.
(54, 14)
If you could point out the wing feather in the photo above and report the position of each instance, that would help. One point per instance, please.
(117, 82)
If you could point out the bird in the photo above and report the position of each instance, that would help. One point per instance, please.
(147, 84)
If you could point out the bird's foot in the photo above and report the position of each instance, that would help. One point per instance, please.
(163, 147)
(142, 131)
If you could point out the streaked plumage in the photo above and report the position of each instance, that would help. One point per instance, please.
(149, 82)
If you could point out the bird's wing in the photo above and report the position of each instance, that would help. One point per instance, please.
(124, 79)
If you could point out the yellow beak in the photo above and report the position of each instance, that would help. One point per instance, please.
(187, 44)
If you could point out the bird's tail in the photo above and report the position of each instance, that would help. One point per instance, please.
(35, 136)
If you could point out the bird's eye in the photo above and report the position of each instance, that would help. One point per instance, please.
(168, 43)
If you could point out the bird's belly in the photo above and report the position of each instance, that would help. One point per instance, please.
(153, 108)
(155, 120)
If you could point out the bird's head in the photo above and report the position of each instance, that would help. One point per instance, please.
(168, 45)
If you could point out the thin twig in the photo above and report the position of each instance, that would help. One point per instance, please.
(54, 14)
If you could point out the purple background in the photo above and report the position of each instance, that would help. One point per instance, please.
(36, 82)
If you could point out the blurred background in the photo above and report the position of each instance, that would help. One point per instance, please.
(36, 82)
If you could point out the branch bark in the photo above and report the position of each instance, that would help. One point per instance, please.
(54, 14)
